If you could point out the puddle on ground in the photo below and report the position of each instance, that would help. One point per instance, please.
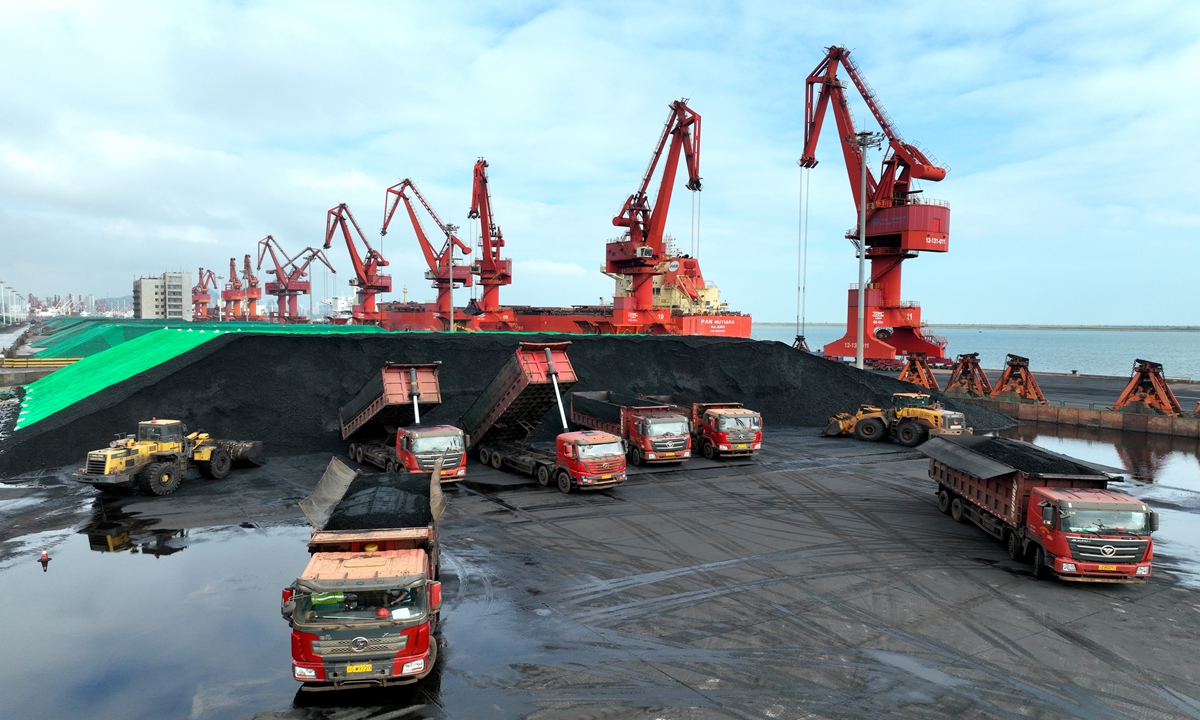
(1164, 471)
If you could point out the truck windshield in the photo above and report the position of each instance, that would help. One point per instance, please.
(362, 606)
(1103, 521)
(600, 450)
(739, 422)
(658, 428)
(438, 444)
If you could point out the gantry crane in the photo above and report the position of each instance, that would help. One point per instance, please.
(253, 291)
(900, 223)
(233, 294)
(291, 276)
(366, 268)
(493, 271)
(640, 252)
(201, 298)
(442, 270)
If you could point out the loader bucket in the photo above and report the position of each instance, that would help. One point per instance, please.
(834, 429)
(243, 451)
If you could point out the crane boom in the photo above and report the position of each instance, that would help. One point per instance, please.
(442, 269)
(366, 269)
(290, 276)
(493, 271)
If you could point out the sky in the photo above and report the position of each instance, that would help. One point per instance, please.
(142, 137)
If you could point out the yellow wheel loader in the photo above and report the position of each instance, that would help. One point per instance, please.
(158, 456)
(913, 418)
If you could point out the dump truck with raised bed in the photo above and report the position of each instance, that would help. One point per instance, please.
(382, 423)
(159, 455)
(498, 424)
(1055, 508)
(653, 432)
(913, 419)
(364, 611)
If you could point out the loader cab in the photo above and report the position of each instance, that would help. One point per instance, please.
(911, 400)
(161, 431)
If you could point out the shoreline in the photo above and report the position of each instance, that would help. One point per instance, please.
(985, 326)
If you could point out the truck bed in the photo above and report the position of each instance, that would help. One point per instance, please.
(385, 399)
(520, 395)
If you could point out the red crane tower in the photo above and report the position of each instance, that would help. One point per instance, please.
(291, 276)
(900, 223)
(493, 271)
(442, 270)
(233, 294)
(640, 252)
(253, 291)
(201, 298)
(366, 269)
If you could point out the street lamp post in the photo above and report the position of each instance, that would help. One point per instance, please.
(865, 139)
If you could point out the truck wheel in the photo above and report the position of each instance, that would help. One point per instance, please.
(707, 450)
(911, 434)
(564, 481)
(1041, 570)
(358, 455)
(635, 456)
(958, 512)
(217, 466)
(943, 497)
(390, 466)
(485, 456)
(159, 479)
(870, 430)
(1016, 549)
(543, 475)
(350, 450)
(497, 460)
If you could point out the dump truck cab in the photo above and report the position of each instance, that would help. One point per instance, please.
(589, 460)
(419, 448)
(1090, 534)
(727, 430)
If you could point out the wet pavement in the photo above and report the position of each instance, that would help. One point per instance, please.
(820, 582)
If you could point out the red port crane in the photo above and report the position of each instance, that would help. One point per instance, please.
(291, 276)
(493, 271)
(640, 251)
(233, 294)
(201, 298)
(366, 268)
(442, 270)
(253, 291)
(900, 223)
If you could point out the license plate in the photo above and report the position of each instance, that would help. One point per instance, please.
(670, 454)
(1106, 567)
(606, 477)
(363, 667)
(742, 446)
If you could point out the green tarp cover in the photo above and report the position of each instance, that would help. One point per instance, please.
(92, 374)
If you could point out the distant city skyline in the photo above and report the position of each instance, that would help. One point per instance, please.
(150, 137)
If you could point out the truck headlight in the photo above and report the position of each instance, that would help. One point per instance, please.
(461, 471)
(722, 447)
(687, 453)
(415, 666)
(651, 456)
(1143, 570)
(1068, 567)
(302, 673)
(758, 446)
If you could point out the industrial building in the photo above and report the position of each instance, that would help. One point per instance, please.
(167, 296)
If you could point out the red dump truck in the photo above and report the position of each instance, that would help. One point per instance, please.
(375, 423)
(364, 611)
(498, 424)
(1052, 507)
(721, 429)
(653, 432)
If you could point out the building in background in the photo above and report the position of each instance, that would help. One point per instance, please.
(168, 296)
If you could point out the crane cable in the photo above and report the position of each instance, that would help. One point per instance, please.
(802, 253)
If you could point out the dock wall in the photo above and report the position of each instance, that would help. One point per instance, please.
(1105, 419)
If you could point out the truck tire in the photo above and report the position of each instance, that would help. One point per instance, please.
(958, 511)
(543, 475)
(485, 456)
(635, 456)
(160, 478)
(497, 460)
(358, 454)
(1016, 548)
(911, 433)
(944, 498)
(390, 466)
(564, 481)
(217, 466)
(1041, 570)
(870, 430)
(350, 449)
(707, 450)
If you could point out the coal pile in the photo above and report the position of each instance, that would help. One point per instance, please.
(383, 502)
(1029, 458)
(286, 390)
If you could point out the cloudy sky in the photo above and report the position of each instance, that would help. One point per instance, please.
(140, 137)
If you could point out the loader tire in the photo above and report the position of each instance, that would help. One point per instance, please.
(911, 434)
(217, 466)
(160, 479)
(870, 430)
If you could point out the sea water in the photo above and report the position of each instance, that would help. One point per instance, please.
(1088, 351)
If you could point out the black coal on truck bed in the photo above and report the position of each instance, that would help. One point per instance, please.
(1028, 458)
(386, 501)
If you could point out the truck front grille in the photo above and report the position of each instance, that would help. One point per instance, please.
(426, 462)
(668, 444)
(741, 437)
(1096, 550)
(603, 466)
(95, 465)
(374, 645)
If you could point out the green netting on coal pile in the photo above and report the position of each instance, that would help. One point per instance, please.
(73, 383)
